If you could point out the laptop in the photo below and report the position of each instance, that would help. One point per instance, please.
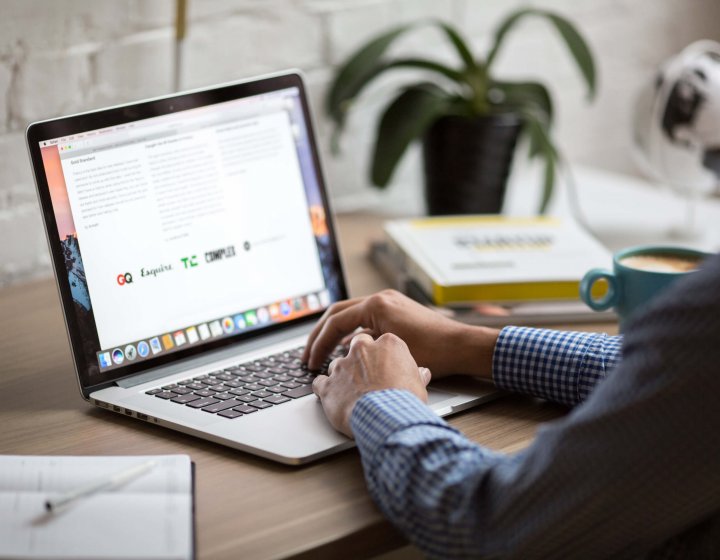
(193, 245)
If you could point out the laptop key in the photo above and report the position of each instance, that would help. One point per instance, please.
(276, 399)
(166, 395)
(184, 399)
(299, 392)
(195, 386)
(291, 384)
(253, 387)
(224, 376)
(261, 404)
(202, 403)
(279, 389)
(263, 374)
(305, 379)
(245, 409)
(261, 394)
(246, 398)
(218, 406)
(267, 382)
(230, 413)
(239, 392)
(222, 396)
(204, 393)
(153, 391)
(232, 384)
(169, 387)
(282, 377)
(182, 391)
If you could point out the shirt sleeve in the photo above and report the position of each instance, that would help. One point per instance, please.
(560, 366)
(633, 470)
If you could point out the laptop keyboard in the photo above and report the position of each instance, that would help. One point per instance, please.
(248, 387)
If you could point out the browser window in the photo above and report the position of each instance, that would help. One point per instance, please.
(191, 226)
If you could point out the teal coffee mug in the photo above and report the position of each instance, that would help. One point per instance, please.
(638, 275)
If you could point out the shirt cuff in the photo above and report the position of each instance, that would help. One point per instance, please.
(561, 366)
(379, 414)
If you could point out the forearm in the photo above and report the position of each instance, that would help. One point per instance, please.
(424, 474)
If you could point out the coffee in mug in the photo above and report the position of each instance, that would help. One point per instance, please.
(638, 275)
(661, 263)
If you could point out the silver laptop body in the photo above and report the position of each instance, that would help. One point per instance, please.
(192, 235)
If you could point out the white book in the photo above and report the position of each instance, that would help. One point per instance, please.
(466, 259)
(149, 517)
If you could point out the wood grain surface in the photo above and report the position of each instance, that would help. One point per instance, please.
(246, 507)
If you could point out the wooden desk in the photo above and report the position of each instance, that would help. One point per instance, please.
(246, 507)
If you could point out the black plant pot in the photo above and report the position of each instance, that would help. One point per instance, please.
(467, 162)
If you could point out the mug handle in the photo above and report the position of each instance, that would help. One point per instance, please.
(610, 299)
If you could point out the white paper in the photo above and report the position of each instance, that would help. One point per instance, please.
(149, 517)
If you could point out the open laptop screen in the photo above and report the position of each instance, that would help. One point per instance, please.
(189, 230)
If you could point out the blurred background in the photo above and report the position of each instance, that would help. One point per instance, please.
(63, 56)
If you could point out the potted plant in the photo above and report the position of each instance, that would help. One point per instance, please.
(468, 119)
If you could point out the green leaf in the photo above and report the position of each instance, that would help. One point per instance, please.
(406, 118)
(460, 45)
(359, 69)
(367, 63)
(578, 48)
(340, 111)
(576, 44)
(544, 147)
(532, 96)
(528, 97)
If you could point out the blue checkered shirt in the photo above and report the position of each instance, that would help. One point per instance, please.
(633, 471)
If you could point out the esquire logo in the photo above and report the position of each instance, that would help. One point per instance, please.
(155, 271)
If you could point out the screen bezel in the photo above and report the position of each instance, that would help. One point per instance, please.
(113, 116)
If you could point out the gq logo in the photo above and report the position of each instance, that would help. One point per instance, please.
(123, 279)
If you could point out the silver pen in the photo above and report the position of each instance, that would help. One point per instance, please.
(110, 483)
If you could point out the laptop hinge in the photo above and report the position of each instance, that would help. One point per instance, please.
(216, 356)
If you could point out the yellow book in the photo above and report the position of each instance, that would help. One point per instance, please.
(466, 259)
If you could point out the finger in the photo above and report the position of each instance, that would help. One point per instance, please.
(346, 341)
(331, 366)
(334, 329)
(333, 309)
(318, 385)
(360, 337)
(425, 375)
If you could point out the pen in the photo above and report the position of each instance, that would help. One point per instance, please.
(110, 483)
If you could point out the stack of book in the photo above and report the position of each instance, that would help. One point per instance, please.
(493, 270)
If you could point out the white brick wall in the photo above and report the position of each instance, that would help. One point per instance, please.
(60, 56)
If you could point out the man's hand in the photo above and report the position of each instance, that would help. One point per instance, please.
(371, 365)
(435, 341)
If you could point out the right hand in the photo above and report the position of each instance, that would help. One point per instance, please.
(435, 341)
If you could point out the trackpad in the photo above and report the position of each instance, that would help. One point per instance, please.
(435, 396)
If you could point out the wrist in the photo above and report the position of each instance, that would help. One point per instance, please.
(472, 349)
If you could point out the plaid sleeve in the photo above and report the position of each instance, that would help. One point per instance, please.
(560, 366)
(422, 472)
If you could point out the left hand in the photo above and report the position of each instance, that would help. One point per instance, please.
(371, 365)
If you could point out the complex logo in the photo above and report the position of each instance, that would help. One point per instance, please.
(220, 254)
(123, 279)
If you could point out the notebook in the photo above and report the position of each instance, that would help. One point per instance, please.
(149, 517)
(194, 249)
